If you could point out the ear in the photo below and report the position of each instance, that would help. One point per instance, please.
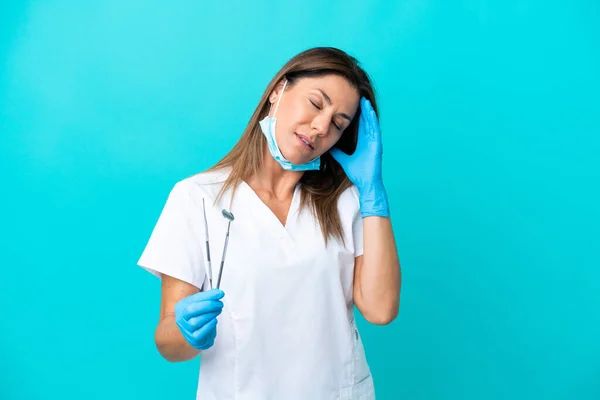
(277, 91)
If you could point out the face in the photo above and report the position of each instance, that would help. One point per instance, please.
(312, 115)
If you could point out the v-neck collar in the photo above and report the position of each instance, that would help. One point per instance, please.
(273, 220)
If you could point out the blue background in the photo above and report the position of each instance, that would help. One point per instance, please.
(490, 115)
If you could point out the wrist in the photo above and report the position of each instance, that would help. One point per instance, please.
(373, 200)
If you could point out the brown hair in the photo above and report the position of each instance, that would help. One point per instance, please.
(320, 189)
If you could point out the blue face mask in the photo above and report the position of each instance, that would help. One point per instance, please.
(267, 125)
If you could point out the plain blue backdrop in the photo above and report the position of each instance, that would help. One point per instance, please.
(490, 118)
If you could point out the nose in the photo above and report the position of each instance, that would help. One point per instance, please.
(320, 125)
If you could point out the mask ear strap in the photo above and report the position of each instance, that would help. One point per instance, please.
(280, 96)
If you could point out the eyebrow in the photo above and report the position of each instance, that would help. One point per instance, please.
(328, 100)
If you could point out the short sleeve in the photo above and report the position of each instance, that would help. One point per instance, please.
(357, 233)
(349, 208)
(174, 247)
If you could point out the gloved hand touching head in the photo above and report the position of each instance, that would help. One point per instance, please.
(363, 168)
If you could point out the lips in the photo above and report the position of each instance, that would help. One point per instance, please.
(307, 141)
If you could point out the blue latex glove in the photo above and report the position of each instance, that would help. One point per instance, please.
(363, 168)
(196, 317)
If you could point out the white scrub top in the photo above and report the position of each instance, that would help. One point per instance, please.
(287, 329)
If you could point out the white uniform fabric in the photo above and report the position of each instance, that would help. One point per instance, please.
(287, 330)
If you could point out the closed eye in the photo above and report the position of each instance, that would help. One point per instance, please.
(318, 108)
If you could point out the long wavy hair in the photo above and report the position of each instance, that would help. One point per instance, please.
(321, 189)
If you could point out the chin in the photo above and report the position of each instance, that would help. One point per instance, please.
(298, 160)
(294, 156)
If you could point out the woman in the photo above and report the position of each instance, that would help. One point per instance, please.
(310, 238)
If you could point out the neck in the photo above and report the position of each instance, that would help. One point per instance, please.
(273, 179)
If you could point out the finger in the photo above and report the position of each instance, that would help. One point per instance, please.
(364, 126)
(374, 125)
(373, 118)
(212, 294)
(188, 337)
(206, 344)
(185, 328)
(364, 109)
(367, 109)
(212, 335)
(371, 130)
(202, 307)
(364, 133)
(204, 330)
(197, 322)
(182, 305)
(365, 105)
(198, 343)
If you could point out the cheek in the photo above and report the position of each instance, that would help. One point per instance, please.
(301, 112)
(291, 117)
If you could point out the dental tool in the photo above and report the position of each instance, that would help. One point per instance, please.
(229, 217)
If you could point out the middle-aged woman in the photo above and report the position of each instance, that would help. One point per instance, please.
(302, 202)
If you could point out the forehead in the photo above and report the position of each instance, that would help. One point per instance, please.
(337, 88)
